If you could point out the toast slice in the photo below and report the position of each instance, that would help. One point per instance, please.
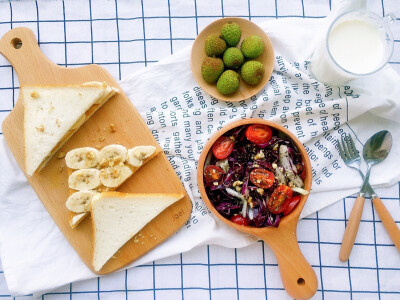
(117, 217)
(52, 114)
(76, 217)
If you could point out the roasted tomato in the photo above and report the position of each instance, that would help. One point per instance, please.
(291, 204)
(258, 133)
(262, 178)
(212, 173)
(238, 219)
(223, 147)
(277, 202)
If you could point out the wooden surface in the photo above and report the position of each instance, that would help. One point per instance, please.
(298, 277)
(388, 222)
(350, 233)
(198, 54)
(51, 185)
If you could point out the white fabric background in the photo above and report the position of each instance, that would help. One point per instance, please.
(322, 241)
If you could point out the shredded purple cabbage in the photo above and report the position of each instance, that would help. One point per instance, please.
(242, 161)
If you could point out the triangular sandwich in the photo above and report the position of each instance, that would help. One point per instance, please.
(117, 217)
(52, 114)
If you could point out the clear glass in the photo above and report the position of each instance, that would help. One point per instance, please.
(324, 66)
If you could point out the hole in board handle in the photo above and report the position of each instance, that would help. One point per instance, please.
(16, 43)
(301, 281)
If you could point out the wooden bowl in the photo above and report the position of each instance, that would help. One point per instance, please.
(297, 275)
(245, 90)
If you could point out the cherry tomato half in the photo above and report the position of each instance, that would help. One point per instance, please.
(300, 169)
(223, 147)
(277, 202)
(238, 219)
(258, 133)
(212, 173)
(291, 204)
(262, 178)
(303, 174)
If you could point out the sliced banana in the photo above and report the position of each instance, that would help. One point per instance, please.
(112, 155)
(82, 158)
(114, 176)
(79, 202)
(84, 179)
(136, 155)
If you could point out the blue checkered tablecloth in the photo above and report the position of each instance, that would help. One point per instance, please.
(125, 36)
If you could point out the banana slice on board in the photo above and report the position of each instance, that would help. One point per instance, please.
(82, 158)
(84, 179)
(79, 202)
(136, 155)
(112, 155)
(115, 176)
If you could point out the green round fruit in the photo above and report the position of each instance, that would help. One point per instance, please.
(228, 82)
(252, 46)
(252, 72)
(214, 45)
(233, 58)
(211, 69)
(231, 33)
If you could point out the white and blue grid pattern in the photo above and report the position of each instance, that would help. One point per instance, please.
(125, 36)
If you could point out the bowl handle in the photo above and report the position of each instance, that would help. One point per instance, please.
(298, 277)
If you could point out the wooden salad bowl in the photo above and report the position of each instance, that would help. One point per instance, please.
(298, 277)
(198, 54)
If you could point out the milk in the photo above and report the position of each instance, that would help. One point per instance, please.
(357, 48)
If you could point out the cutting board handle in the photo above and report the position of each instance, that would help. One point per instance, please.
(298, 277)
(20, 48)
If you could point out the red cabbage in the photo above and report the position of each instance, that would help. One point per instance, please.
(241, 162)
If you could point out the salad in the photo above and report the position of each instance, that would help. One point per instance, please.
(254, 175)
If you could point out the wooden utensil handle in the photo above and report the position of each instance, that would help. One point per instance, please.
(298, 277)
(20, 48)
(388, 222)
(351, 230)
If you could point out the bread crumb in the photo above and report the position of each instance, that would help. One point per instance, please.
(142, 243)
(93, 139)
(58, 123)
(97, 147)
(102, 138)
(61, 154)
(41, 128)
(35, 95)
(104, 129)
(60, 169)
(80, 94)
(112, 128)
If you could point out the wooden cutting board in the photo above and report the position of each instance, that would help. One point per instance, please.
(20, 48)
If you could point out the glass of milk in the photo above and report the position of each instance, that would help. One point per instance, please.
(357, 43)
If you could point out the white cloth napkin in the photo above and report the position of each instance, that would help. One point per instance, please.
(35, 255)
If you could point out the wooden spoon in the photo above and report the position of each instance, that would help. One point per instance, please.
(298, 277)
